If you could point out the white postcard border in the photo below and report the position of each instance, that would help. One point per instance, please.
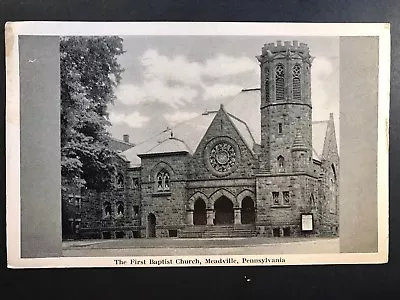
(14, 30)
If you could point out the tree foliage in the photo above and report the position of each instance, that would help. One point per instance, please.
(89, 74)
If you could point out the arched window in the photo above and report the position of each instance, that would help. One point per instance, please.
(107, 209)
(267, 84)
(160, 182)
(135, 183)
(286, 197)
(281, 163)
(312, 200)
(280, 82)
(120, 208)
(163, 181)
(166, 181)
(296, 82)
(120, 180)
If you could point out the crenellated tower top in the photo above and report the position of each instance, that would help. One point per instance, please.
(286, 49)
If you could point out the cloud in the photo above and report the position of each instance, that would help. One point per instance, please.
(176, 68)
(223, 65)
(155, 90)
(321, 68)
(179, 116)
(177, 81)
(134, 119)
(180, 69)
(220, 90)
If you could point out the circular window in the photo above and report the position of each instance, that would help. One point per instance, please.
(222, 157)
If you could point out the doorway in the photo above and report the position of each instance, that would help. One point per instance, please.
(200, 213)
(223, 211)
(151, 225)
(248, 212)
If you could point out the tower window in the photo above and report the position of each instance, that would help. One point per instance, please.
(280, 128)
(266, 84)
(281, 163)
(275, 197)
(286, 197)
(163, 181)
(312, 200)
(280, 82)
(296, 82)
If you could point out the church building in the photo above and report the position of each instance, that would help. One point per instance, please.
(217, 175)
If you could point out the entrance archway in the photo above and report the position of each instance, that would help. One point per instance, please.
(248, 212)
(200, 213)
(223, 211)
(151, 225)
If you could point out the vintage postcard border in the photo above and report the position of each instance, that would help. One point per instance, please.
(14, 30)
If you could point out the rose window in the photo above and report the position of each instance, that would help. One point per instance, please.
(222, 157)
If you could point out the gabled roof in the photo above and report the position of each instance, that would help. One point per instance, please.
(170, 145)
(189, 133)
(244, 131)
(244, 112)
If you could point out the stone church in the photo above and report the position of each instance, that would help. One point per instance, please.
(217, 175)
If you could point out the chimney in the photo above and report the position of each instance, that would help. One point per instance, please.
(126, 138)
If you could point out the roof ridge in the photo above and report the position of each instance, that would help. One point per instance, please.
(244, 123)
(158, 143)
(167, 139)
(182, 141)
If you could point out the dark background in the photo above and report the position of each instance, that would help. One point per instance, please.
(309, 282)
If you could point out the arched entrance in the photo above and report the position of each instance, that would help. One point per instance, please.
(223, 211)
(151, 225)
(200, 213)
(248, 212)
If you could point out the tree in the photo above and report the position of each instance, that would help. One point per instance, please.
(89, 74)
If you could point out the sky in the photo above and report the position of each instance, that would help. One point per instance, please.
(170, 79)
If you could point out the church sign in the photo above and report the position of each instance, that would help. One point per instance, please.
(307, 222)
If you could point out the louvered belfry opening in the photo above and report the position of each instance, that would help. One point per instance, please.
(280, 82)
(296, 82)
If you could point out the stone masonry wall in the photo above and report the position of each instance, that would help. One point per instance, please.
(274, 144)
(221, 127)
(272, 215)
(168, 207)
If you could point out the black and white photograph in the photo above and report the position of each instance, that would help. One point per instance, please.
(196, 144)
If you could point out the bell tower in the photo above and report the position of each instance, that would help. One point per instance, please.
(286, 110)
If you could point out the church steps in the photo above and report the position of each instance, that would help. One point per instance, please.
(218, 231)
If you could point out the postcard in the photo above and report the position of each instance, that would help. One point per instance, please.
(171, 144)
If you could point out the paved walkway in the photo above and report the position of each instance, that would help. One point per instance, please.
(229, 246)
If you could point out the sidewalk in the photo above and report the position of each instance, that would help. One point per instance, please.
(161, 247)
(184, 243)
